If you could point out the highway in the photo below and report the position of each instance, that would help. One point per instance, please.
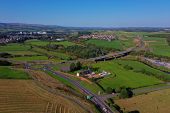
(96, 99)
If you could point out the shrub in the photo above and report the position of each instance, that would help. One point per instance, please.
(127, 67)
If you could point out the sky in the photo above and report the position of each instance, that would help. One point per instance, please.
(87, 13)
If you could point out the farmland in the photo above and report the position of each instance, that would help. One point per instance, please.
(44, 43)
(17, 49)
(138, 67)
(158, 46)
(30, 58)
(14, 47)
(154, 102)
(38, 53)
(25, 96)
(55, 54)
(9, 73)
(121, 77)
(116, 44)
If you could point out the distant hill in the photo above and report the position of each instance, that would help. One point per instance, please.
(4, 27)
(28, 27)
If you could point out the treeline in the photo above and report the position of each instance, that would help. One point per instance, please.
(165, 35)
(89, 51)
(5, 63)
(86, 51)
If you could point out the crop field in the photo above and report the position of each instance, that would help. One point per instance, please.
(116, 44)
(9, 73)
(122, 77)
(44, 43)
(24, 96)
(154, 102)
(159, 46)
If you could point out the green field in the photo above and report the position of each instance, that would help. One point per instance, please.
(127, 78)
(56, 54)
(14, 47)
(159, 46)
(44, 43)
(139, 66)
(22, 53)
(17, 49)
(30, 58)
(9, 73)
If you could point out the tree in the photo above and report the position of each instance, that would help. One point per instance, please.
(72, 67)
(126, 93)
(109, 90)
(118, 90)
(78, 65)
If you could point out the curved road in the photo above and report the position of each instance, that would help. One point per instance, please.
(96, 99)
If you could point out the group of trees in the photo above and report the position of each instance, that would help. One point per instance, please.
(123, 91)
(5, 55)
(75, 66)
(89, 51)
(5, 63)
(54, 46)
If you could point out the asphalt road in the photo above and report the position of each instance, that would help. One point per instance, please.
(96, 99)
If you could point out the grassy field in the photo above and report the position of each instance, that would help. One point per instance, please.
(9, 73)
(154, 102)
(59, 55)
(159, 46)
(139, 66)
(30, 58)
(24, 96)
(123, 77)
(93, 87)
(116, 44)
(14, 47)
(44, 43)
(28, 52)
(17, 49)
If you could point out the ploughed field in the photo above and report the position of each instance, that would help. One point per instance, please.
(24, 96)
(154, 102)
